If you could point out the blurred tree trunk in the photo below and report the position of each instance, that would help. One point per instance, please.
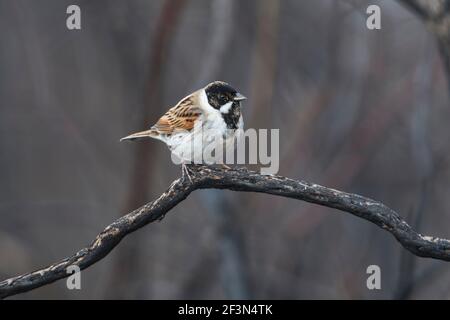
(126, 270)
(224, 212)
(436, 15)
(423, 160)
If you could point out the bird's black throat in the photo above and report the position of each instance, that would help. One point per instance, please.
(232, 117)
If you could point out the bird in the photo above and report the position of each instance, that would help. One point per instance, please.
(208, 118)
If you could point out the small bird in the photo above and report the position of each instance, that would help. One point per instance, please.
(195, 122)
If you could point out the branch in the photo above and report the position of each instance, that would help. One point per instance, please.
(204, 177)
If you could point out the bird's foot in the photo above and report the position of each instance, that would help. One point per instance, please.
(185, 172)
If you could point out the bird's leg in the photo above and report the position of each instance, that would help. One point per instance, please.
(185, 172)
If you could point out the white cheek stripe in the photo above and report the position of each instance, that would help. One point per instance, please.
(226, 107)
(204, 101)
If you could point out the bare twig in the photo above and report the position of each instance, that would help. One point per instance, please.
(243, 180)
(436, 15)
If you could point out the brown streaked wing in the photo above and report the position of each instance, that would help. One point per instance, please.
(181, 117)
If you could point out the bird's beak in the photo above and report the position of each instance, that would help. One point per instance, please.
(240, 97)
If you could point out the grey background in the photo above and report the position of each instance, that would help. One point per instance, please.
(358, 110)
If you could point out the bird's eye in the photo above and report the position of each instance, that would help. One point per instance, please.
(223, 99)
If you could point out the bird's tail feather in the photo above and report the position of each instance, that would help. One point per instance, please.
(140, 135)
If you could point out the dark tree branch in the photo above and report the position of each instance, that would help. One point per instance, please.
(204, 177)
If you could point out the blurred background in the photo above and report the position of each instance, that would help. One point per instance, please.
(358, 110)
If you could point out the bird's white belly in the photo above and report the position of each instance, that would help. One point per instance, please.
(209, 136)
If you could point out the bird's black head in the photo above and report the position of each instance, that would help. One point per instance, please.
(220, 93)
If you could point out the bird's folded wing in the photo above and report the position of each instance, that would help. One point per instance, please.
(182, 117)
